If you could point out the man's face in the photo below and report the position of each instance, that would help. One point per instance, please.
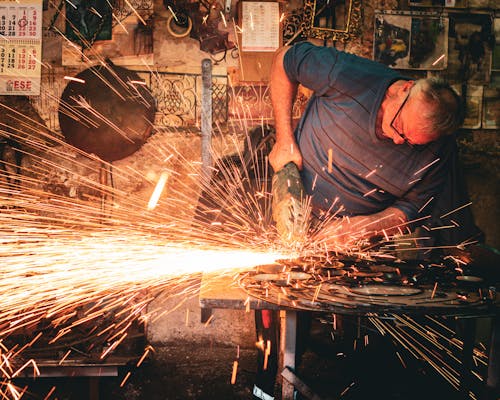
(403, 120)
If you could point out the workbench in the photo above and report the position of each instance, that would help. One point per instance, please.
(222, 291)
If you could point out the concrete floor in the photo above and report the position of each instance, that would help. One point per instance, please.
(183, 370)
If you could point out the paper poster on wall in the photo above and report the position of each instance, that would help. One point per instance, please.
(470, 52)
(411, 41)
(491, 102)
(483, 4)
(439, 3)
(128, 40)
(495, 63)
(20, 47)
(473, 105)
(260, 26)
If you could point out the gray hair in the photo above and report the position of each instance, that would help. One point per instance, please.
(446, 112)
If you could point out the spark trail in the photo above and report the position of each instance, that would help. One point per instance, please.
(69, 259)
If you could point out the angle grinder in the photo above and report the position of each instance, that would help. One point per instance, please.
(290, 211)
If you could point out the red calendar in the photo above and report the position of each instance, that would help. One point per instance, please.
(20, 47)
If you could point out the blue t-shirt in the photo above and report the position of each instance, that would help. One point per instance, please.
(368, 173)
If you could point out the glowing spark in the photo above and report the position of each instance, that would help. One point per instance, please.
(173, 14)
(160, 185)
(347, 389)
(371, 173)
(370, 192)
(426, 204)
(120, 23)
(71, 4)
(209, 320)
(456, 209)
(330, 161)
(143, 357)
(427, 166)
(127, 375)
(71, 78)
(223, 19)
(434, 290)
(51, 391)
(235, 371)
(92, 9)
(438, 59)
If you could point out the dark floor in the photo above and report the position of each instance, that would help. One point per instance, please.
(203, 371)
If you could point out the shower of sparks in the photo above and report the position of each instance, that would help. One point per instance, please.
(101, 257)
(431, 340)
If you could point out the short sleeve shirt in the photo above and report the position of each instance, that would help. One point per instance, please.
(348, 169)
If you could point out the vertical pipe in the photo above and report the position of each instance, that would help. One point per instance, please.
(206, 117)
(288, 344)
(493, 388)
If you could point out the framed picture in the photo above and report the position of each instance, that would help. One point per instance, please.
(129, 39)
(469, 48)
(495, 62)
(440, 3)
(491, 108)
(483, 4)
(88, 21)
(411, 41)
(473, 105)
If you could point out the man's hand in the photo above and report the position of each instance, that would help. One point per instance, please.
(344, 234)
(340, 234)
(283, 152)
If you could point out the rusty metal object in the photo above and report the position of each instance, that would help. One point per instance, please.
(352, 287)
(107, 111)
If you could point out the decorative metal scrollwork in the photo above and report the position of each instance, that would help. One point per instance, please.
(352, 17)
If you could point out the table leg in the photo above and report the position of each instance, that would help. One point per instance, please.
(288, 341)
(493, 391)
(94, 388)
(467, 331)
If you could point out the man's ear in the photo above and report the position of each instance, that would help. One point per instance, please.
(408, 85)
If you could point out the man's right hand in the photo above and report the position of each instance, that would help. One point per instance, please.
(283, 152)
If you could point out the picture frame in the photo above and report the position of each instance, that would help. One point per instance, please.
(473, 105)
(411, 41)
(469, 48)
(439, 3)
(491, 107)
(495, 59)
(328, 20)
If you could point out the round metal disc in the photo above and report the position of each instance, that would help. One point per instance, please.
(299, 276)
(265, 277)
(382, 290)
(107, 111)
(469, 279)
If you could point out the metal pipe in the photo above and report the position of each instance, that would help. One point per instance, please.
(206, 117)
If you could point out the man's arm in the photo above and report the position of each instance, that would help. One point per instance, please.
(344, 232)
(389, 221)
(283, 93)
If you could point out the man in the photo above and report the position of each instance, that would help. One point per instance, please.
(371, 145)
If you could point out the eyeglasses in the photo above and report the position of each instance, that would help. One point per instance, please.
(401, 135)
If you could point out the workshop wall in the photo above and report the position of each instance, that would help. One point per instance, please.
(169, 62)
